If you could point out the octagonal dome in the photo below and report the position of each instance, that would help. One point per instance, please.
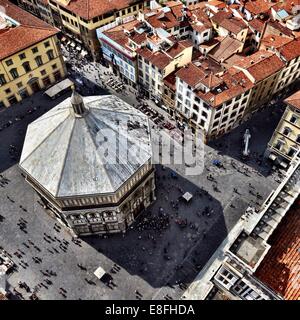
(63, 152)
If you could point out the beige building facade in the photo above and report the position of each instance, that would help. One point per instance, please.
(285, 142)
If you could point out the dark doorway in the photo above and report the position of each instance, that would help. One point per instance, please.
(35, 87)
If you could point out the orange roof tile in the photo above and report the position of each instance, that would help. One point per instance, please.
(225, 49)
(159, 59)
(220, 16)
(163, 20)
(178, 47)
(279, 27)
(122, 33)
(257, 24)
(291, 50)
(274, 41)
(261, 64)
(170, 80)
(233, 25)
(258, 6)
(89, 9)
(280, 269)
(30, 31)
(216, 3)
(294, 100)
(233, 85)
(288, 5)
(193, 75)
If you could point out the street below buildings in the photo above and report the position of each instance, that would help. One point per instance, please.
(165, 248)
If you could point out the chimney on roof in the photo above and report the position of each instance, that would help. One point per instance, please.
(77, 103)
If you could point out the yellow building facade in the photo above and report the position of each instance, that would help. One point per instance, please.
(30, 70)
(75, 24)
(285, 142)
(29, 65)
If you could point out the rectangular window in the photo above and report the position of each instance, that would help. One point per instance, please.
(9, 62)
(22, 56)
(26, 66)
(2, 79)
(57, 75)
(34, 50)
(278, 145)
(291, 152)
(14, 73)
(50, 54)
(12, 99)
(293, 119)
(39, 61)
(47, 44)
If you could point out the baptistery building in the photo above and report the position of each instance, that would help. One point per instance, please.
(89, 159)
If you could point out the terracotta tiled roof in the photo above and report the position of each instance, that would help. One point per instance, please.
(294, 100)
(163, 20)
(233, 85)
(220, 16)
(122, 33)
(159, 59)
(193, 75)
(89, 9)
(199, 27)
(199, 5)
(233, 25)
(282, 29)
(178, 47)
(258, 6)
(216, 3)
(261, 64)
(198, 15)
(226, 48)
(291, 50)
(30, 31)
(274, 41)
(170, 80)
(177, 9)
(288, 5)
(280, 269)
(257, 24)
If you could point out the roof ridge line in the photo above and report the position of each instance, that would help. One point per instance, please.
(41, 142)
(38, 27)
(65, 157)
